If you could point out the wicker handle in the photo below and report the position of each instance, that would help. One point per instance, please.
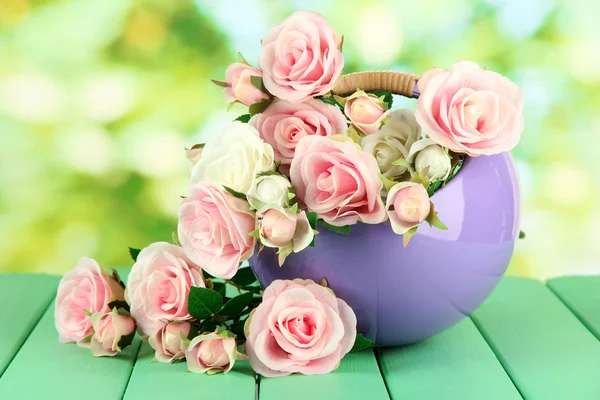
(400, 83)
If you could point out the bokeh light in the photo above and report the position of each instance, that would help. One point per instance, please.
(98, 100)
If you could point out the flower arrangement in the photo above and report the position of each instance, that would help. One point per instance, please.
(303, 156)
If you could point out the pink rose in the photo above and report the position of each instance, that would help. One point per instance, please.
(169, 341)
(212, 352)
(338, 181)
(411, 206)
(214, 229)
(365, 111)
(113, 331)
(240, 87)
(299, 327)
(301, 57)
(158, 286)
(288, 231)
(470, 110)
(283, 124)
(85, 289)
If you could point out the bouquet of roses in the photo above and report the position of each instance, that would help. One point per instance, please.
(303, 156)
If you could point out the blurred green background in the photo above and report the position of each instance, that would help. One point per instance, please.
(99, 98)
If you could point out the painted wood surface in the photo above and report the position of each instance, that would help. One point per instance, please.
(23, 300)
(444, 367)
(527, 341)
(544, 348)
(582, 295)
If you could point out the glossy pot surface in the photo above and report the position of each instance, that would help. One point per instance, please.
(403, 295)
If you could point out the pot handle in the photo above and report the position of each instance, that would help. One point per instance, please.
(400, 83)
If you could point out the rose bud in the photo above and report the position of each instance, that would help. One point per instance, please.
(85, 290)
(212, 353)
(269, 191)
(240, 87)
(193, 154)
(426, 153)
(365, 111)
(169, 341)
(113, 331)
(286, 230)
(411, 206)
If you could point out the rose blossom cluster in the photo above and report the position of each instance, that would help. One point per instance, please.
(302, 158)
(299, 326)
(90, 310)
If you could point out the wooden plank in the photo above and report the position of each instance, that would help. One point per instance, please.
(357, 377)
(148, 381)
(23, 300)
(547, 352)
(455, 364)
(46, 369)
(582, 295)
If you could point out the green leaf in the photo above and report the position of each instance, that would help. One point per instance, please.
(387, 98)
(237, 328)
(244, 277)
(361, 343)
(387, 183)
(219, 287)
(457, 165)
(118, 304)
(236, 305)
(242, 59)
(312, 219)
(433, 219)
(333, 100)
(86, 339)
(403, 162)
(421, 177)
(126, 340)
(433, 187)
(344, 230)
(234, 193)
(219, 83)
(134, 253)
(294, 208)
(258, 83)
(203, 302)
(259, 107)
(244, 118)
(207, 326)
(255, 233)
(408, 235)
(521, 235)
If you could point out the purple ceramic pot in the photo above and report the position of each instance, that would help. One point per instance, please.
(403, 295)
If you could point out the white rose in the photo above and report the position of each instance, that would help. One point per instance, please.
(269, 191)
(234, 158)
(426, 153)
(393, 141)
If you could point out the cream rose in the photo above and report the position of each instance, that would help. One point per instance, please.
(234, 158)
(269, 191)
(427, 154)
(392, 142)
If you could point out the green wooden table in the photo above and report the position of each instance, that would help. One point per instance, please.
(527, 341)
